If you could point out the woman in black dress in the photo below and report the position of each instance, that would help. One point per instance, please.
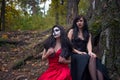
(84, 63)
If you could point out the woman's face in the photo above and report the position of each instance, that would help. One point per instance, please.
(80, 23)
(56, 32)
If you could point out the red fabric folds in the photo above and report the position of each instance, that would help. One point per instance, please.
(56, 70)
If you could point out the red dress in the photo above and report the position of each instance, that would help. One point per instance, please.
(56, 70)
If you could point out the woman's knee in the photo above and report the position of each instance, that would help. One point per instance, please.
(92, 59)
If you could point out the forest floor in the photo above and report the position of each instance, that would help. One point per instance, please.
(20, 55)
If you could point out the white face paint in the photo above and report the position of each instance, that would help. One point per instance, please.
(56, 32)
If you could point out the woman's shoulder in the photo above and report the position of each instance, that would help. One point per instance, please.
(70, 34)
(70, 31)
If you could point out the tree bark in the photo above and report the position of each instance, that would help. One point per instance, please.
(72, 7)
(34, 9)
(2, 24)
(57, 12)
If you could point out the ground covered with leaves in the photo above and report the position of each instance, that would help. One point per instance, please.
(20, 55)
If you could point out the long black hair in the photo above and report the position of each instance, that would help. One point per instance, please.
(76, 29)
(65, 43)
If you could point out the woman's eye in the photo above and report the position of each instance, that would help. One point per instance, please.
(81, 20)
(56, 30)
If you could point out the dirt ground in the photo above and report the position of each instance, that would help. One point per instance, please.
(20, 55)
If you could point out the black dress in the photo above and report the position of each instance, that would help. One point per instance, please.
(79, 63)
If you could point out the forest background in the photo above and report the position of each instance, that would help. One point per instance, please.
(24, 24)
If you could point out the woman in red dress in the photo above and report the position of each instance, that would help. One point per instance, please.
(57, 50)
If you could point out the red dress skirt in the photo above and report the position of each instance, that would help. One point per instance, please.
(56, 70)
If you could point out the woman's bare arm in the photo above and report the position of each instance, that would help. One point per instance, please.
(47, 53)
(79, 52)
(44, 57)
(89, 47)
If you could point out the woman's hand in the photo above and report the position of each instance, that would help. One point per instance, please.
(92, 54)
(63, 60)
(82, 53)
(78, 52)
(47, 53)
(50, 51)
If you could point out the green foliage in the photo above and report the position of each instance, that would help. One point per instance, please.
(29, 6)
(21, 20)
(95, 24)
(83, 6)
(61, 9)
(10, 17)
(16, 20)
(63, 13)
(35, 22)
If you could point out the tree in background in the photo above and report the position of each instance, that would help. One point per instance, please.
(72, 10)
(60, 12)
(30, 6)
(2, 16)
(18, 11)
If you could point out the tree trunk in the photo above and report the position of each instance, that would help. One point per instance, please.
(72, 7)
(34, 8)
(0, 14)
(69, 9)
(2, 24)
(75, 8)
(57, 12)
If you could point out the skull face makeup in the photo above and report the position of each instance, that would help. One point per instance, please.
(56, 32)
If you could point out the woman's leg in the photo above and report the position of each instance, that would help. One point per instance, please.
(92, 68)
(99, 75)
(95, 74)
